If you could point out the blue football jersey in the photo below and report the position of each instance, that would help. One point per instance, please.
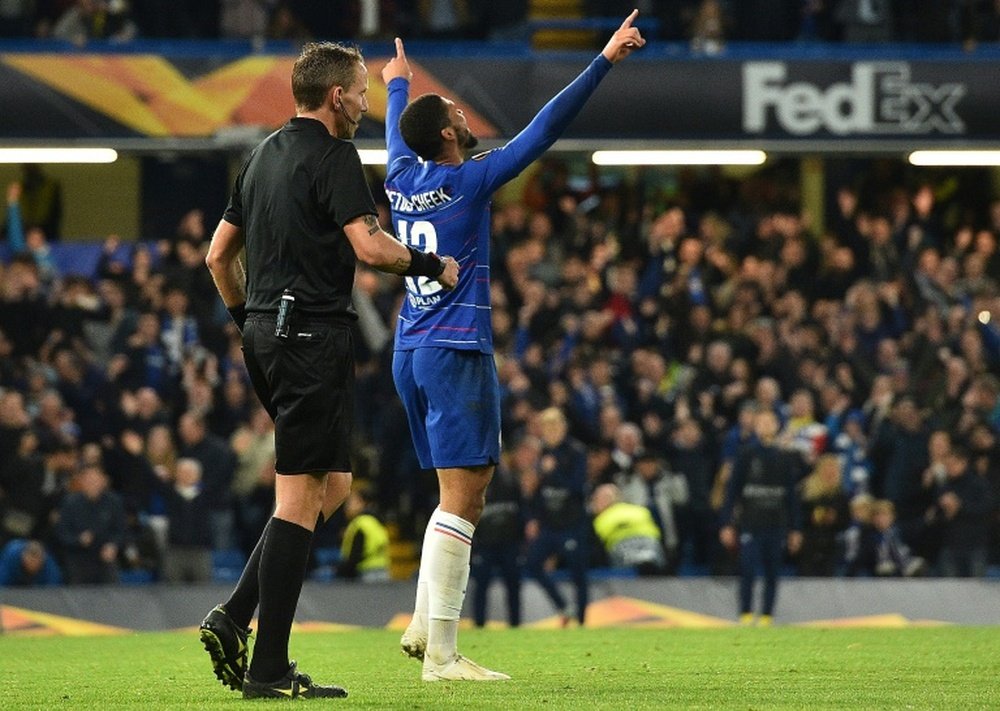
(446, 209)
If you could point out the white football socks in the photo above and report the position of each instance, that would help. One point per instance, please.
(445, 567)
(418, 625)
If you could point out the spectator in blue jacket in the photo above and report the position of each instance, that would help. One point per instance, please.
(25, 562)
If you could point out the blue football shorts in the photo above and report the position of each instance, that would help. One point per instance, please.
(452, 402)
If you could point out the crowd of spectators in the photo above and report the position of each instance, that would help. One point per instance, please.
(655, 316)
(707, 24)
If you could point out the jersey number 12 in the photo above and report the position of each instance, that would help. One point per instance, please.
(422, 236)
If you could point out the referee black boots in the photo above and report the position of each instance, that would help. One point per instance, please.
(226, 644)
(292, 685)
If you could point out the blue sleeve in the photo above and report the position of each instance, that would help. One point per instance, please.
(15, 229)
(731, 444)
(564, 351)
(991, 340)
(522, 339)
(549, 123)
(399, 91)
(794, 500)
(50, 573)
(10, 562)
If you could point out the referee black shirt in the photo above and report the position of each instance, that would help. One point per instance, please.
(292, 197)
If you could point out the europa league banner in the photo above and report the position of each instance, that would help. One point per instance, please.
(122, 95)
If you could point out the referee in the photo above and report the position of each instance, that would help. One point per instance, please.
(302, 209)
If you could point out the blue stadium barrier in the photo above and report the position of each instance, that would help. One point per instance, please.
(603, 573)
(326, 556)
(80, 258)
(687, 569)
(227, 565)
(136, 577)
(326, 560)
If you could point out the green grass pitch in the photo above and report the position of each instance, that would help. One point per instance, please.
(943, 668)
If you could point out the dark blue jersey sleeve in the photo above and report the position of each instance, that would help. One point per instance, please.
(734, 487)
(399, 92)
(794, 497)
(504, 163)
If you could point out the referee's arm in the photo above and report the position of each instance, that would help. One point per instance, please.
(227, 272)
(379, 249)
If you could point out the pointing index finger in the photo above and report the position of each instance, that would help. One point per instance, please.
(399, 49)
(629, 20)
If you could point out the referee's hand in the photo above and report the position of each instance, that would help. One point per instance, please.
(449, 277)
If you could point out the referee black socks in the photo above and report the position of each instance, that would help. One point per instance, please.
(283, 558)
(243, 600)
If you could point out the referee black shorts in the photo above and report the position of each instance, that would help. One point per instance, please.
(306, 383)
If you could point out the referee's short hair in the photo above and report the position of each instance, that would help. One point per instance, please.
(320, 67)
(421, 124)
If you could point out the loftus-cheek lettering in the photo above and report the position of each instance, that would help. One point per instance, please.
(419, 202)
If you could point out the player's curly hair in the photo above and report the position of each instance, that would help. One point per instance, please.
(320, 67)
(421, 123)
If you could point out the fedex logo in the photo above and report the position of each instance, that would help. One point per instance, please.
(880, 98)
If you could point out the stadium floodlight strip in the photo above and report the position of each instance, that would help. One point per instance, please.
(58, 155)
(373, 156)
(680, 157)
(954, 158)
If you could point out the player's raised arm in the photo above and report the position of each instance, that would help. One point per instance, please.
(549, 123)
(396, 68)
(624, 41)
